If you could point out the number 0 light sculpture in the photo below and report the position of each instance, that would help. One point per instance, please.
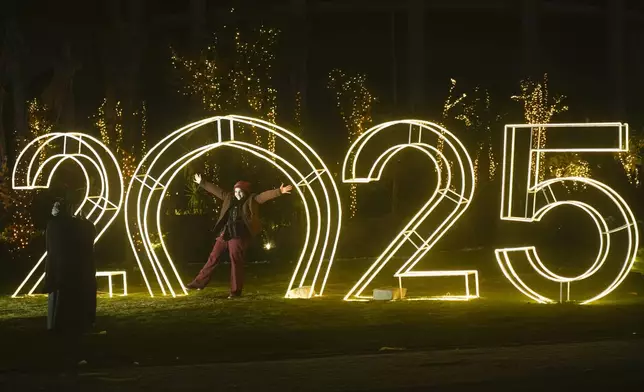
(366, 161)
(304, 168)
(103, 198)
(530, 199)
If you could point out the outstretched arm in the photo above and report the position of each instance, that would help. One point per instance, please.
(210, 187)
(273, 194)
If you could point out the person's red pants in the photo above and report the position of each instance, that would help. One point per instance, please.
(237, 249)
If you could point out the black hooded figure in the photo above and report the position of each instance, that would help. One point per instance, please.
(70, 275)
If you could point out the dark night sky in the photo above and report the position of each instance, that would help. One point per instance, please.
(478, 48)
(474, 46)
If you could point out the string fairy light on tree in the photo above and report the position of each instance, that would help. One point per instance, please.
(298, 109)
(479, 119)
(37, 119)
(539, 108)
(631, 161)
(256, 79)
(142, 114)
(200, 78)
(21, 230)
(245, 86)
(232, 74)
(7, 196)
(568, 165)
(355, 102)
(474, 111)
(127, 156)
(451, 104)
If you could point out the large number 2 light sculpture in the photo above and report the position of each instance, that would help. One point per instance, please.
(365, 162)
(304, 168)
(103, 198)
(532, 198)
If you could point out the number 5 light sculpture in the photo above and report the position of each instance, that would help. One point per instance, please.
(365, 162)
(530, 199)
(103, 198)
(304, 168)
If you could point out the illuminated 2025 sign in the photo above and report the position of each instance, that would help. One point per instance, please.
(453, 191)
(365, 161)
(540, 196)
(103, 198)
(314, 185)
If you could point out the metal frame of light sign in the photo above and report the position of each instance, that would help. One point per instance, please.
(104, 199)
(305, 169)
(453, 185)
(540, 197)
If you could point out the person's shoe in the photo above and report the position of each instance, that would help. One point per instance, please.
(194, 286)
(234, 295)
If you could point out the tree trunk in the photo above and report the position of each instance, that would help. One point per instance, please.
(530, 24)
(298, 38)
(59, 94)
(416, 61)
(3, 139)
(616, 54)
(112, 68)
(394, 62)
(14, 57)
(134, 44)
(197, 25)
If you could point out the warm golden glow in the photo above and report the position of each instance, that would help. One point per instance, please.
(103, 199)
(244, 82)
(454, 188)
(354, 100)
(541, 196)
(305, 169)
(110, 275)
(126, 155)
(298, 109)
(21, 229)
(539, 108)
(631, 160)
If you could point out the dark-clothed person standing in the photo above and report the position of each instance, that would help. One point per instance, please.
(70, 275)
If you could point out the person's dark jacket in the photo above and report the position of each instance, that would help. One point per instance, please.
(69, 263)
(250, 207)
(86, 237)
(63, 265)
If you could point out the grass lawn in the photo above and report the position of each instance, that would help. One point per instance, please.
(206, 327)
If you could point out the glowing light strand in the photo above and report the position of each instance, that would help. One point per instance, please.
(540, 197)
(28, 174)
(453, 187)
(631, 160)
(539, 108)
(21, 230)
(355, 101)
(246, 84)
(323, 222)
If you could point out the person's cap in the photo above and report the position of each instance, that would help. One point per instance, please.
(243, 185)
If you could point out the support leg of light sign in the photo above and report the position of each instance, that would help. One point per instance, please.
(152, 179)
